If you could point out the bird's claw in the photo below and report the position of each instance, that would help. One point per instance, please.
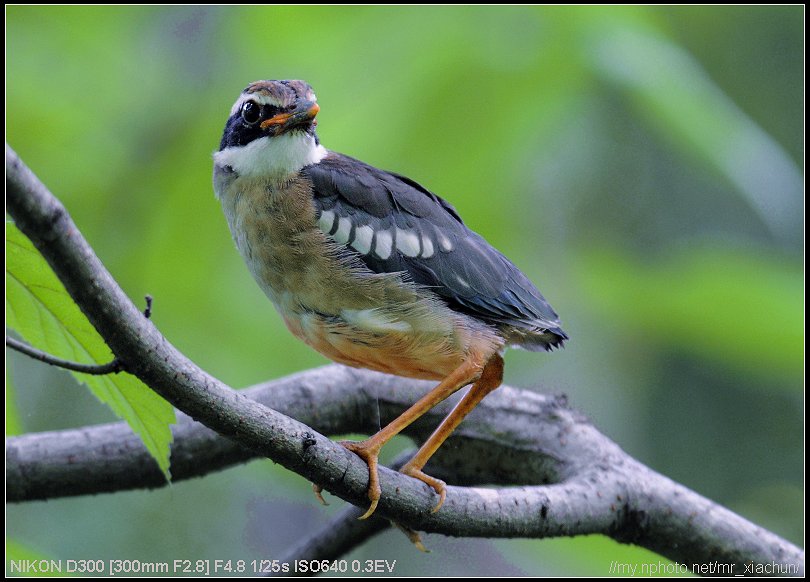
(318, 490)
(369, 453)
(439, 486)
(413, 536)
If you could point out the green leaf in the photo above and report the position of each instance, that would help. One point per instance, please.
(40, 310)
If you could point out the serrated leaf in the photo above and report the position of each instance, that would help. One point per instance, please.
(40, 310)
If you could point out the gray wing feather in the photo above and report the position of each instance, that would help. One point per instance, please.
(467, 272)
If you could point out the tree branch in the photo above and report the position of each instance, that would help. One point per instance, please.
(112, 367)
(337, 537)
(333, 400)
(599, 490)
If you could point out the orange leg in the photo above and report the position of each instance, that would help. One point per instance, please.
(490, 379)
(369, 449)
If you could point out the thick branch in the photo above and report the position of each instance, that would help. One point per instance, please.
(597, 492)
(333, 400)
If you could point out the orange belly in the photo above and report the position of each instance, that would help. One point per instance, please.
(422, 355)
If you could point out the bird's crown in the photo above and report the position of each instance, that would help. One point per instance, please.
(282, 95)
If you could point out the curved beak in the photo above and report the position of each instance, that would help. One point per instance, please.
(284, 122)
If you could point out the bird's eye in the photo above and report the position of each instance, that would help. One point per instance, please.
(251, 112)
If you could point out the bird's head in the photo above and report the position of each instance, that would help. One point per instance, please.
(271, 130)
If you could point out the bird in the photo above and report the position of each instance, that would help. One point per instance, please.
(370, 268)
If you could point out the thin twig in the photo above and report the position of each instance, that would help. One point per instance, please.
(113, 367)
(94, 369)
(147, 311)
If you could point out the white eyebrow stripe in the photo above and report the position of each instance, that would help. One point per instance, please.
(427, 247)
(326, 221)
(343, 231)
(407, 242)
(260, 98)
(383, 245)
(362, 239)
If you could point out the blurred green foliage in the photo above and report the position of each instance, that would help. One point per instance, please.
(641, 164)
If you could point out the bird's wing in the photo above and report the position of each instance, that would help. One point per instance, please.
(396, 225)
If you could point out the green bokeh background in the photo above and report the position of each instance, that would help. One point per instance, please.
(642, 165)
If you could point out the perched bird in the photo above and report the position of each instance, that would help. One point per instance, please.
(369, 267)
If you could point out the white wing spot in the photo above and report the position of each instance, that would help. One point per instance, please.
(362, 239)
(326, 221)
(427, 247)
(407, 242)
(445, 243)
(384, 244)
(463, 282)
(344, 231)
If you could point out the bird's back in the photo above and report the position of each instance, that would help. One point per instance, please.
(395, 225)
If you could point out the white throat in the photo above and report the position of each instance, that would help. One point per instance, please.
(273, 157)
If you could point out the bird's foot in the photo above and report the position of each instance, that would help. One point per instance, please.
(369, 451)
(318, 491)
(438, 485)
(413, 536)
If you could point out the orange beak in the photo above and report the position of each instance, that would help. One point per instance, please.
(283, 122)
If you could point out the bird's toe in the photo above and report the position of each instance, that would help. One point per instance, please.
(370, 454)
(439, 486)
